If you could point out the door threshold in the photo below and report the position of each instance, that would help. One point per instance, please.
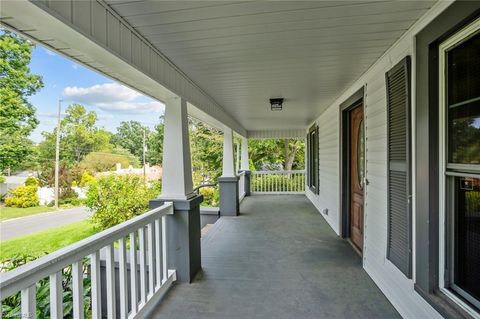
(355, 248)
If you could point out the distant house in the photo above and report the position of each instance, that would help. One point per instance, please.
(152, 173)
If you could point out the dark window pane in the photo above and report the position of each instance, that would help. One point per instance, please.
(464, 71)
(463, 87)
(464, 134)
(467, 237)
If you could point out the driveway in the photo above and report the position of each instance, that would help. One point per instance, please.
(18, 227)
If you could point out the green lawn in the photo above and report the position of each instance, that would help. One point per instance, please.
(46, 241)
(13, 212)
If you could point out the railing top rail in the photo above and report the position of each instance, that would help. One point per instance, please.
(241, 173)
(279, 172)
(28, 274)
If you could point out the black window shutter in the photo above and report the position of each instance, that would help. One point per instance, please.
(399, 250)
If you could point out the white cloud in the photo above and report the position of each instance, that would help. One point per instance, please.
(75, 66)
(111, 97)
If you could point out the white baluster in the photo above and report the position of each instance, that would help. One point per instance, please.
(96, 285)
(110, 264)
(122, 274)
(143, 270)
(29, 302)
(56, 295)
(158, 253)
(77, 289)
(151, 261)
(133, 274)
(164, 248)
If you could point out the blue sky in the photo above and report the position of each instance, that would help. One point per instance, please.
(74, 83)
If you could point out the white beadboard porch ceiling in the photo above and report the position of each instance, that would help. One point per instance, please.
(243, 53)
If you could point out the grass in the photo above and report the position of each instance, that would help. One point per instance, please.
(14, 212)
(40, 243)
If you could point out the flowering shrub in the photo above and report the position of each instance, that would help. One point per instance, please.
(22, 196)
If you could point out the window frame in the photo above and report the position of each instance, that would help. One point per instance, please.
(313, 169)
(447, 173)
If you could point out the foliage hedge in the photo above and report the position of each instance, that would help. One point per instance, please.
(22, 197)
(115, 199)
(211, 196)
(31, 181)
(3, 179)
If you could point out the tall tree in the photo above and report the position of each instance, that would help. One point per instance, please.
(17, 114)
(130, 135)
(155, 144)
(79, 136)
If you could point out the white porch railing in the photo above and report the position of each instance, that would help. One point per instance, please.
(277, 182)
(147, 242)
(241, 185)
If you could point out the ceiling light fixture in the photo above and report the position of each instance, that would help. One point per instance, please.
(276, 104)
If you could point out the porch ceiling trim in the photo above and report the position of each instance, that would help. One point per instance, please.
(276, 134)
(91, 33)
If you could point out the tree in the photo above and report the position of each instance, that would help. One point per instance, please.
(287, 153)
(130, 136)
(206, 145)
(78, 137)
(17, 114)
(155, 144)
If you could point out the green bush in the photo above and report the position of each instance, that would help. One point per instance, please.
(115, 199)
(31, 181)
(86, 179)
(211, 196)
(3, 179)
(22, 196)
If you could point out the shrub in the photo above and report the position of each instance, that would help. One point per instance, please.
(211, 196)
(115, 199)
(22, 196)
(3, 179)
(86, 179)
(31, 181)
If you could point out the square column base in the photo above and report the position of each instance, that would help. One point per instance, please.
(183, 236)
(247, 182)
(229, 203)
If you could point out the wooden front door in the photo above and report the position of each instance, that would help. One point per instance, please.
(357, 174)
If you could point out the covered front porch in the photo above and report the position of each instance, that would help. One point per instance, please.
(277, 259)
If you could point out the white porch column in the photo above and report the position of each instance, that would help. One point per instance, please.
(177, 166)
(228, 182)
(244, 151)
(184, 230)
(228, 155)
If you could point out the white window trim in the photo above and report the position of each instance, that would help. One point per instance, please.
(445, 46)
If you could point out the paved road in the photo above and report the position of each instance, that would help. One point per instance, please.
(10, 229)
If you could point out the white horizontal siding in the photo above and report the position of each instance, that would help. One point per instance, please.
(394, 284)
(328, 157)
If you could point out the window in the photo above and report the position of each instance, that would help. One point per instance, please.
(312, 164)
(399, 248)
(460, 165)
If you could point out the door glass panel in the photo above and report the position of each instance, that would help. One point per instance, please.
(467, 235)
(463, 99)
(361, 154)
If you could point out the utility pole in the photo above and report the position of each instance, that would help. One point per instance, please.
(57, 153)
(144, 152)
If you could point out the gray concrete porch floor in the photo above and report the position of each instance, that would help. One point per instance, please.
(278, 259)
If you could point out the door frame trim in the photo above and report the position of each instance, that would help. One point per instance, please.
(344, 113)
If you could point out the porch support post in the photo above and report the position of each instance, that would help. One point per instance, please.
(228, 182)
(245, 165)
(183, 227)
